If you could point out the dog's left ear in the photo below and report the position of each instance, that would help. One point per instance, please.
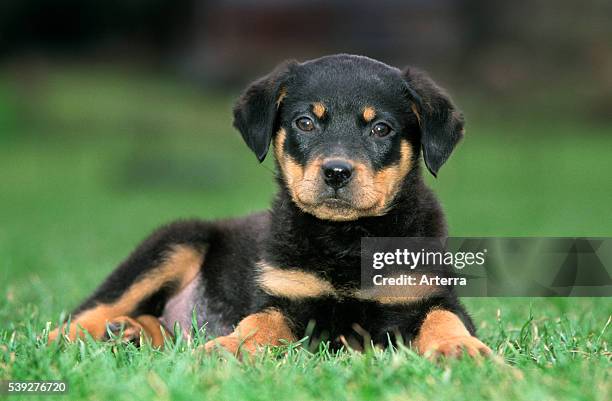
(441, 123)
(255, 111)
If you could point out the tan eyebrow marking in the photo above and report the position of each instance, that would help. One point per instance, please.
(368, 114)
(318, 109)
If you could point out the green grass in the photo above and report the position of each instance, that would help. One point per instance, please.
(76, 195)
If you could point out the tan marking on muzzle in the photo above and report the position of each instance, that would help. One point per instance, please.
(300, 180)
(372, 192)
(388, 181)
(378, 189)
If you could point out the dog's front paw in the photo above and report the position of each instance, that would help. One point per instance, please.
(456, 347)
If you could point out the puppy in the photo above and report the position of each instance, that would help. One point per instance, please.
(348, 133)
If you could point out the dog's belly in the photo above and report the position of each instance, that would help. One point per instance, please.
(181, 308)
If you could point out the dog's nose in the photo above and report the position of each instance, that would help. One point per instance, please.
(337, 173)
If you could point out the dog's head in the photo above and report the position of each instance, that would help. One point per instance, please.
(347, 130)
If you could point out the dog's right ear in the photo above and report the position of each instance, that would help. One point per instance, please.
(255, 112)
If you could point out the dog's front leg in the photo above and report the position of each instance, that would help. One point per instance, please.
(255, 331)
(442, 333)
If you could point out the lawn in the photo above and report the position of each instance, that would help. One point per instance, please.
(92, 160)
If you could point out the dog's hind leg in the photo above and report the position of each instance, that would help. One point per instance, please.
(160, 267)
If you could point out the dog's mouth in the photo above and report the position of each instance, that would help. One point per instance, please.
(337, 203)
(344, 204)
(337, 209)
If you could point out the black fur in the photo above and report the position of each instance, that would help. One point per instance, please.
(288, 237)
(442, 124)
(255, 112)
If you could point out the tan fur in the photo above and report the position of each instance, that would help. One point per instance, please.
(379, 189)
(282, 93)
(373, 193)
(292, 284)
(302, 191)
(296, 285)
(388, 180)
(255, 331)
(182, 265)
(147, 326)
(414, 109)
(318, 109)
(369, 114)
(292, 171)
(397, 295)
(443, 334)
(294, 174)
(152, 329)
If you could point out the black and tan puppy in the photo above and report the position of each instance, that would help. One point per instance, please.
(347, 133)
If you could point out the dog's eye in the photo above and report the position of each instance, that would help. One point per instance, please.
(381, 129)
(305, 124)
